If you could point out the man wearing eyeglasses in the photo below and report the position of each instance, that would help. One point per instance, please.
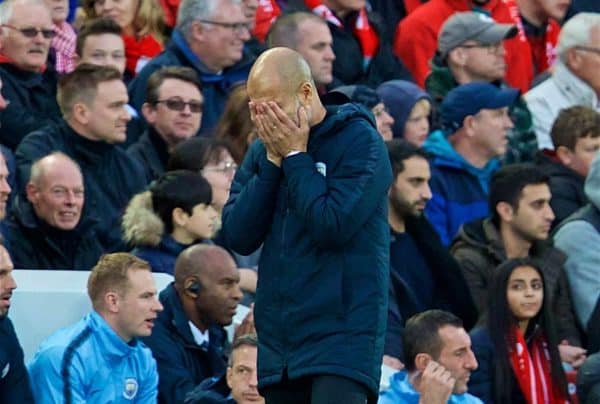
(471, 48)
(173, 110)
(574, 80)
(31, 88)
(209, 37)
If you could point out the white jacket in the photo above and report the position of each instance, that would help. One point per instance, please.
(562, 90)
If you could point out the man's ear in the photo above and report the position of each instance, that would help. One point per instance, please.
(457, 56)
(76, 59)
(80, 113)
(422, 360)
(565, 155)
(229, 375)
(111, 302)
(505, 211)
(306, 94)
(149, 112)
(180, 217)
(32, 192)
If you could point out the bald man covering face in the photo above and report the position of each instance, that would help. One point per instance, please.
(313, 190)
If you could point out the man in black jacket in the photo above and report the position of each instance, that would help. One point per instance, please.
(46, 229)
(14, 381)
(188, 340)
(92, 99)
(173, 110)
(423, 275)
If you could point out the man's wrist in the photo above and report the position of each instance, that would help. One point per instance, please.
(292, 153)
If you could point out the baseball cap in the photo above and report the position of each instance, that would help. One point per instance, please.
(357, 93)
(469, 99)
(470, 25)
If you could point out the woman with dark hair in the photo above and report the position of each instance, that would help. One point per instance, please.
(516, 346)
(212, 158)
(173, 214)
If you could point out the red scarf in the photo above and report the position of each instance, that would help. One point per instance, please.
(367, 37)
(543, 51)
(532, 369)
(141, 50)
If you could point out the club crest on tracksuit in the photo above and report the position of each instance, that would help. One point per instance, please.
(131, 388)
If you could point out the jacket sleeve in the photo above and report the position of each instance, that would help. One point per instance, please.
(175, 379)
(249, 211)
(14, 385)
(334, 208)
(566, 326)
(48, 383)
(482, 379)
(580, 241)
(18, 120)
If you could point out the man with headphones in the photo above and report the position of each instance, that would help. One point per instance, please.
(188, 340)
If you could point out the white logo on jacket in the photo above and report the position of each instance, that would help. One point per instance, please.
(5, 371)
(321, 168)
(131, 388)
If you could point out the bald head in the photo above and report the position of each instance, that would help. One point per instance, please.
(56, 190)
(200, 259)
(278, 69)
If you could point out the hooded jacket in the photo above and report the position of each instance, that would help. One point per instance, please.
(321, 298)
(479, 250)
(215, 87)
(459, 190)
(400, 97)
(579, 238)
(38, 245)
(182, 363)
(144, 230)
(566, 186)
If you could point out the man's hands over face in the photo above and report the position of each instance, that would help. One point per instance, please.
(279, 133)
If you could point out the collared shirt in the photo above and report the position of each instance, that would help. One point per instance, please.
(201, 338)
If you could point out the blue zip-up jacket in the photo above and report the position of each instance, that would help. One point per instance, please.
(401, 391)
(89, 363)
(215, 87)
(459, 190)
(322, 292)
(14, 382)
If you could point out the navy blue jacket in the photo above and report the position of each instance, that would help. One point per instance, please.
(32, 104)
(182, 364)
(151, 151)
(215, 87)
(110, 176)
(37, 245)
(14, 380)
(163, 256)
(321, 299)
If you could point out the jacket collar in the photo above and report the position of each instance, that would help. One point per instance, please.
(86, 150)
(573, 87)
(110, 343)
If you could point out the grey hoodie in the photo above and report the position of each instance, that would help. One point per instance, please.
(580, 240)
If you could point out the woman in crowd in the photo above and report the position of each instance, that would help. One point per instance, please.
(212, 158)
(173, 214)
(517, 347)
(235, 126)
(142, 22)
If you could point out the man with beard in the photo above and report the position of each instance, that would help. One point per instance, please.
(423, 275)
(518, 228)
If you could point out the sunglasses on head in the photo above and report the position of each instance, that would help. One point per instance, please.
(32, 32)
(175, 104)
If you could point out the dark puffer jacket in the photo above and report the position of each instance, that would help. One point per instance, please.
(321, 299)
